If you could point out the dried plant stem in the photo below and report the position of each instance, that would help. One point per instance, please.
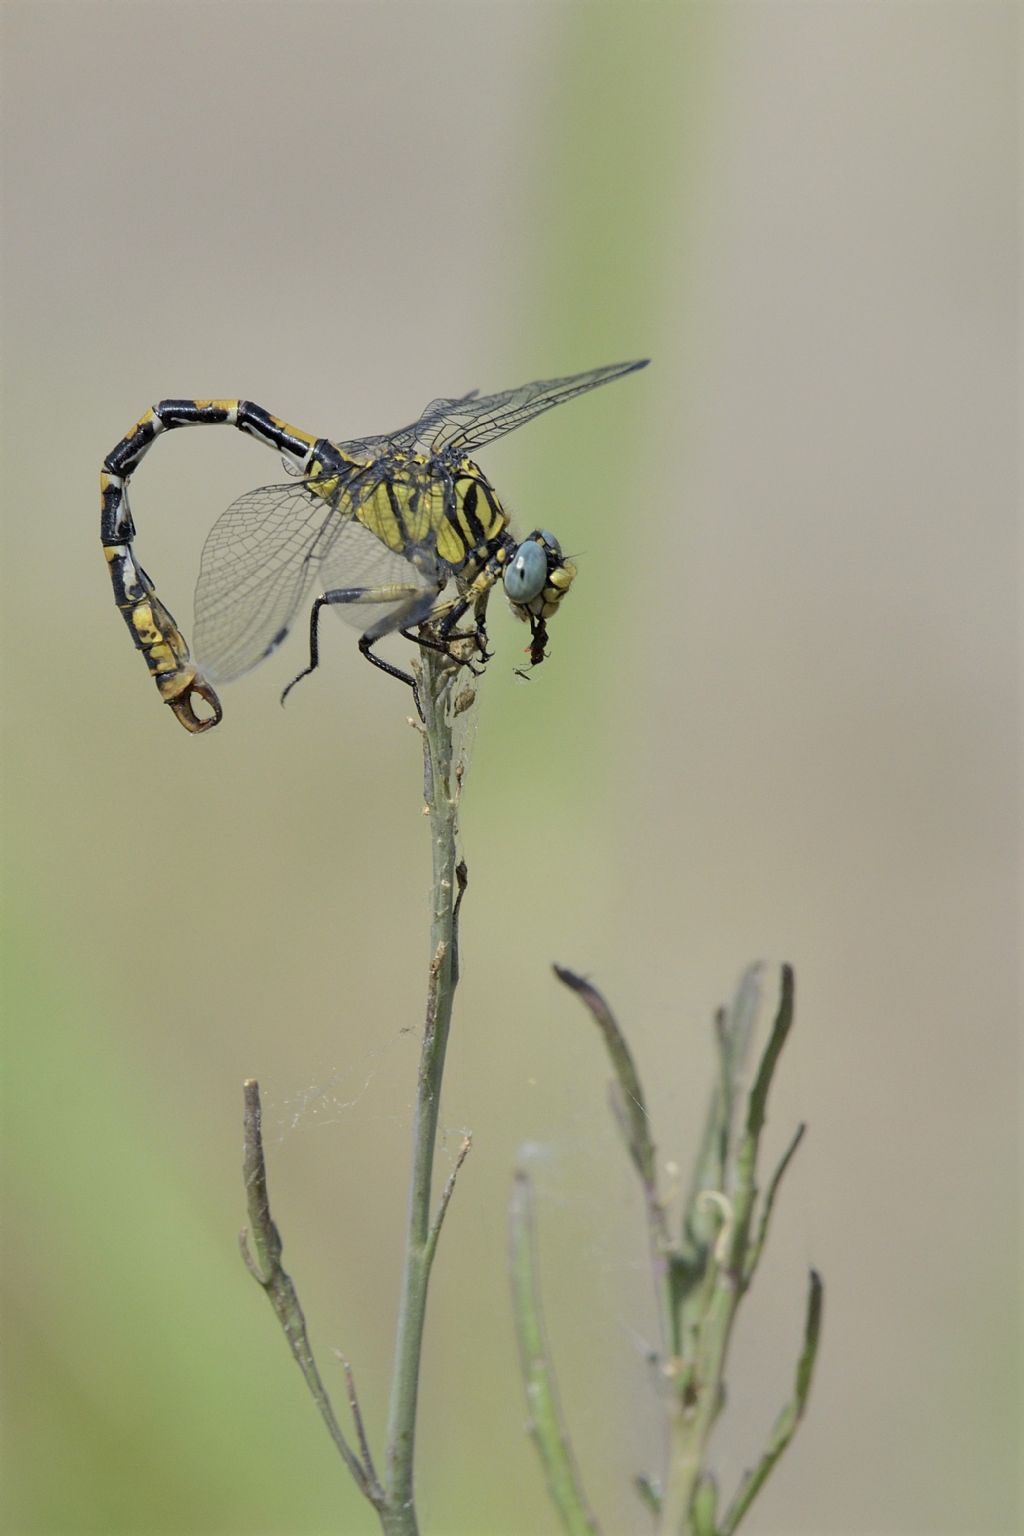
(393, 1494)
(449, 879)
(261, 1247)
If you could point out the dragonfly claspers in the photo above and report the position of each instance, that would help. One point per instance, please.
(401, 531)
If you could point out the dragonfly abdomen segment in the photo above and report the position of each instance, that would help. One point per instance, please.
(157, 636)
(151, 624)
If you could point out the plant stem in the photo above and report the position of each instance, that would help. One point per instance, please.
(441, 787)
(546, 1423)
(261, 1247)
(731, 1260)
(690, 1422)
(700, 1279)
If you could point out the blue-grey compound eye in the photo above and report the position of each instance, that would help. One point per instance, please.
(552, 543)
(526, 576)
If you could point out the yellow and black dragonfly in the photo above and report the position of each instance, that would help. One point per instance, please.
(400, 532)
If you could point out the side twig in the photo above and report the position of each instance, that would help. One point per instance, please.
(261, 1249)
(785, 1425)
(546, 1424)
(357, 1417)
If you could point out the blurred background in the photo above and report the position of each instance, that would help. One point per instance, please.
(778, 720)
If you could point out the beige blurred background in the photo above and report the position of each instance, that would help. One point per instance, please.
(778, 720)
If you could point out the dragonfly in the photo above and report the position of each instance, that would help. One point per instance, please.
(400, 532)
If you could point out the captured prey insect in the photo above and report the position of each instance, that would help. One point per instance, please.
(384, 525)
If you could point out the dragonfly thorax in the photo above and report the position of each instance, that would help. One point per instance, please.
(476, 520)
(533, 571)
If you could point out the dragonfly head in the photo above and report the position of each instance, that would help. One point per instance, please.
(536, 579)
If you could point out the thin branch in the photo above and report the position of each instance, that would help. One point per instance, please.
(261, 1249)
(446, 1195)
(745, 1155)
(546, 1424)
(769, 1061)
(629, 1107)
(357, 1416)
(785, 1425)
(757, 1246)
(733, 1030)
(442, 778)
(638, 1131)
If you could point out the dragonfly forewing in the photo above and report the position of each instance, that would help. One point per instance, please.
(463, 426)
(258, 564)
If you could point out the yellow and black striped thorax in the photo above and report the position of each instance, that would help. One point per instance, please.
(414, 503)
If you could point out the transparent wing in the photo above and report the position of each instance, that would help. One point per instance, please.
(420, 434)
(257, 565)
(467, 424)
(417, 434)
(392, 584)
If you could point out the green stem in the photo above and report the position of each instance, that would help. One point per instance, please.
(730, 1262)
(261, 1247)
(692, 1416)
(786, 1424)
(546, 1425)
(398, 1517)
(629, 1107)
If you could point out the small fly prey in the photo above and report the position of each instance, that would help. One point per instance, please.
(399, 532)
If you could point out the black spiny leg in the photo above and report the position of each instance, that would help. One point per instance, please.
(314, 646)
(366, 644)
(448, 632)
(480, 619)
(444, 647)
(338, 595)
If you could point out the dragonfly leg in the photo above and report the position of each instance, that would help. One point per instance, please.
(480, 621)
(456, 611)
(366, 645)
(443, 647)
(450, 636)
(416, 607)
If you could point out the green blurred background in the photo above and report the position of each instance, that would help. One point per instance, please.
(778, 720)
